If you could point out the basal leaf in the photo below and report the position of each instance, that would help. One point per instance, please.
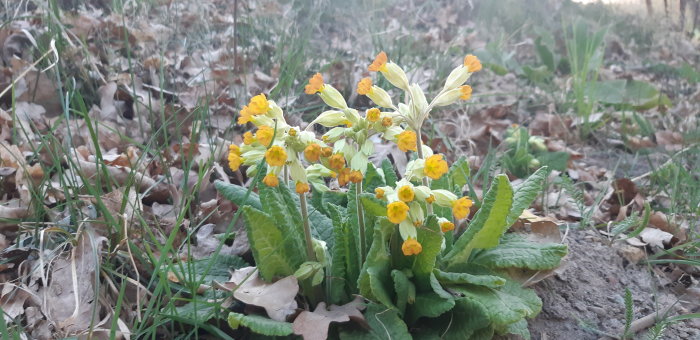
(459, 173)
(488, 224)
(389, 173)
(448, 278)
(518, 328)
(405, 290)
(260, 324)
(375, 278)
(373, 206)
(284, 209)
(337, 280)
(384, 323)
(430, 237)
(373, 179)
(237, 193)
(467, 320)
(518, 252)
(267, 242)
(525, 193)
(429, 304)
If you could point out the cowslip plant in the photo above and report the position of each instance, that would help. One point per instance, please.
(525, 153)
(396, 241)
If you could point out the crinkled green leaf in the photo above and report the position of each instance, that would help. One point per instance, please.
(404, 288)
(372, 179)
(337, 282)
(430, 238)
(504, 305)
(467, 320)
(375, 278)
(488, 224)
(385, 324)
(518, 252)
(237, 193)
(272, 256)
(459, 173)
(491, 281)
(259, 324)
(220, 269)
(284, 210)
(389, 173)
(525, 193)
(373, 206)
(429, 304)
(518, 328)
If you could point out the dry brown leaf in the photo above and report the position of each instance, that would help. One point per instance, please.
(314, 325)
(277, 298)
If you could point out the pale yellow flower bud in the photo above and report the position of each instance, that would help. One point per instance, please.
(444, 198)
(457, 77)
(380, 97)
(332, 97)
(395, 75)
(449, 97)
(330, 118)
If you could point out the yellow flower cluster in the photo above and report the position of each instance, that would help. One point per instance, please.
(343, 152)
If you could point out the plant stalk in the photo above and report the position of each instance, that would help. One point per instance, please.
(310, 255)
(360, 220)
(426, 182)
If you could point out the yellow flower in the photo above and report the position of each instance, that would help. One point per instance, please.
(258, 105)
(387, 122)
(379, 63)
(264, 135)
(337, 161)
(276, 156)
(466, 92)
(373, 114)
(248, 138)
(435, 166)
(430, 199)
(460, 207)
(347, 123)
(271, 180)
(446, 226)
(234, 157)
(302, 188)
(364, 87)
(244, 116)
(379, 193)
(312, 152)
(472, 63)
(355, 176)
(343, 176)
(315, 84)
(292, 132)
(411, 247)
(406, 193)
(407, 141)
(397, 212)
(327, 151)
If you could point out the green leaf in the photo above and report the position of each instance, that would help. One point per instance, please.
(375, 277)
(491, 281)
(429, 304)
(459, 173)
(517, 328)
(404, 288)
(335, 197)
(260, 324)
(505, 305)
(372, 205)
(372, 179)
(337, 281)
(488, 224)
(525, 193)
(467, 320)
(389, 173)
(545, 54)
(554, 160)
(272, 256)
(237, 193)
(384, 323)
(283, 208)
(430, 237)
(322, 228)
(517, 252)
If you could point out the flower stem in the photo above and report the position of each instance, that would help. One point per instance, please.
(426, 182)
(310, 255)
(360, 220)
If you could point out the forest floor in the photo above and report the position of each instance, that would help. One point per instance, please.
(118, 116)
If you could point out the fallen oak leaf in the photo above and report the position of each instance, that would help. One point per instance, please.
(276, 298)
(314, 325)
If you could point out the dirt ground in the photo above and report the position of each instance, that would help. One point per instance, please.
(587, 294)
